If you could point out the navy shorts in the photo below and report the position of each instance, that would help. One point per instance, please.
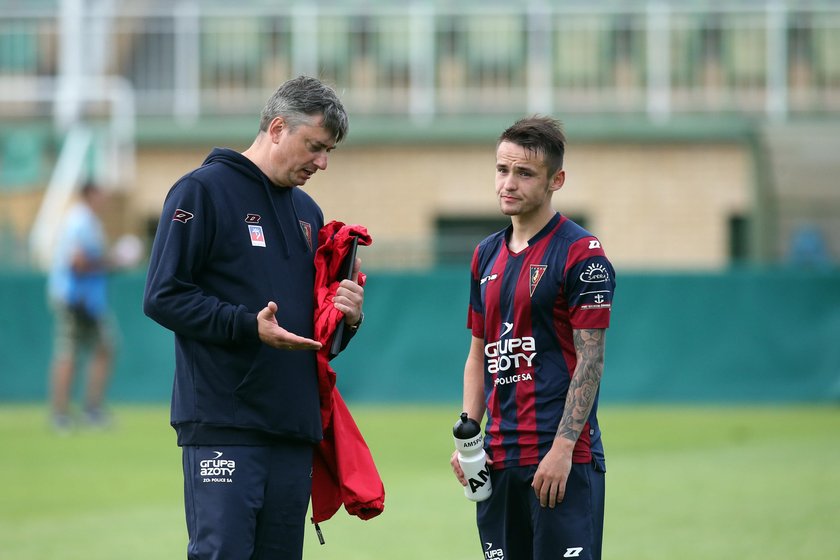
(513, 526)
(247, 503)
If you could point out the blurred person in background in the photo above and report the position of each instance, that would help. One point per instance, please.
(808, 247)
(540, 300)
(232, 274)
(77, 291)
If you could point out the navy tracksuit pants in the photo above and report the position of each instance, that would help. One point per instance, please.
(247, 503)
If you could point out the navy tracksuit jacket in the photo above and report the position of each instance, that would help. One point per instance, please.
(229, 241)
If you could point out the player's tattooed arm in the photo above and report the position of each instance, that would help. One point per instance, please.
(589, 347)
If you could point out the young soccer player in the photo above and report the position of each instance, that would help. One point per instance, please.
(540, 300)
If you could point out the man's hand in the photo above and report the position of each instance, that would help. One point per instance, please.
(553, 472)
(349, 296)
(459, 472)
(274, 335)
(456, 467)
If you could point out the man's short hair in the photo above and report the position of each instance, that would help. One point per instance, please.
(539, 135)
(299, 99)
(88, 188)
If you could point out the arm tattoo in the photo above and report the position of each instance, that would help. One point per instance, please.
(589, 347)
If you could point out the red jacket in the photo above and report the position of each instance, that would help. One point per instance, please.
(343, 469)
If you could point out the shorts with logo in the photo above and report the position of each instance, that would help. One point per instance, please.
(247, 502)
(513, 526)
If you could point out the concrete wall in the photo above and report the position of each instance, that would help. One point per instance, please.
(664, 205)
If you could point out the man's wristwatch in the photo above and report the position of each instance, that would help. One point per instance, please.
(354, 328)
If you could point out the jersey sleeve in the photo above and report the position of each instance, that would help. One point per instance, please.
(589, 284)
(475, 312)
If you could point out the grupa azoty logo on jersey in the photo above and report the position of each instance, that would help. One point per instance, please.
(217, 469)
(510, 354)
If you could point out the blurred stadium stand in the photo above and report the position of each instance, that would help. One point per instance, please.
(192, 60)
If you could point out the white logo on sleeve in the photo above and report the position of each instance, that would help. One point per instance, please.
(595, 273)
(573, 552)
(594, 244)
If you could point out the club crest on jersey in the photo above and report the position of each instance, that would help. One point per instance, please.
(257, 237)
(252, 218)
(306, 227)
(537, 272)
(182, 216)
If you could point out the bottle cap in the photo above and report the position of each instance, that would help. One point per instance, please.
(466, 428)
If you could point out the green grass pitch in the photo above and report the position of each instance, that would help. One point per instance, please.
(752, 483)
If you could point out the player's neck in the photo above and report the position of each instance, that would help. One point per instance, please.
(526, 226)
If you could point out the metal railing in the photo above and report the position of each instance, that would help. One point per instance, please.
(190, 59)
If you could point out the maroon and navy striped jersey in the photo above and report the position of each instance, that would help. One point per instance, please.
(524, 306)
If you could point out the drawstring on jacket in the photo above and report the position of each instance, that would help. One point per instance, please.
(299, 229)
(267, 190)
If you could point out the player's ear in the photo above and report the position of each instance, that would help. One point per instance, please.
(557, 180)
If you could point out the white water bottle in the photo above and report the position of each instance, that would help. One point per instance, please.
(469, 443)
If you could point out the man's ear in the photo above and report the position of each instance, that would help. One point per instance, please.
(557, 180)
(275, 127)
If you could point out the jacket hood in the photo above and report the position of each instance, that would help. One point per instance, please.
(235, 159)
(245, 166)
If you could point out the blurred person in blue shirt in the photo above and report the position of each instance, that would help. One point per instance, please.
(77, 289)
(808, 247)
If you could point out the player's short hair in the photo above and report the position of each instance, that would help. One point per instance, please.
(299, 99)
(88, 189)
(539, 135)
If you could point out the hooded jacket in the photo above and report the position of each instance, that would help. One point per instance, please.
(229, 241)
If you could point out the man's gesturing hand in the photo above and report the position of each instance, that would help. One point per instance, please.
(274, 335)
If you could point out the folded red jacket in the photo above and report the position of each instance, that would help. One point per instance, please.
(343, 469)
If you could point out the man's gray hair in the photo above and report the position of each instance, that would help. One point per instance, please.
(299, 99)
